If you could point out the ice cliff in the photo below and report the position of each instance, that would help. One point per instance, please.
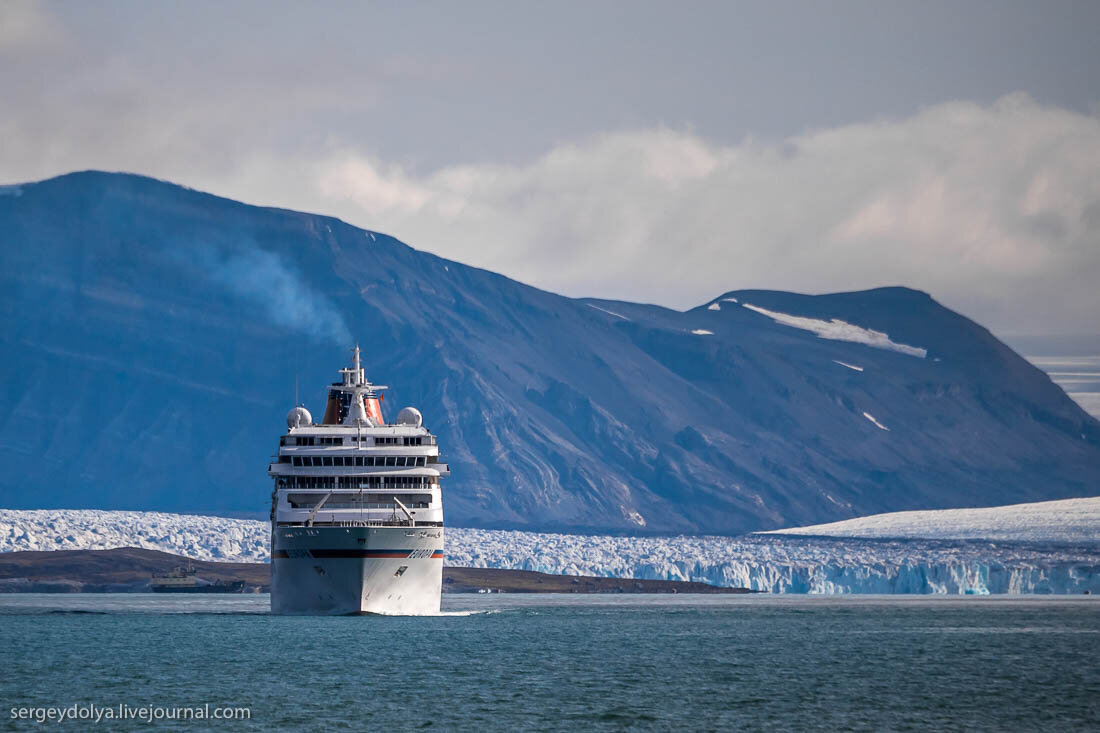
(780, 564)
(773, 563)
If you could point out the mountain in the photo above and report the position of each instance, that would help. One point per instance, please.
(154, 335)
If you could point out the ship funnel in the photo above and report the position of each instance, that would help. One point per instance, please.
(374, 409)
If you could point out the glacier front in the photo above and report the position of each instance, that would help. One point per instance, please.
(770, 563)
(1063, 521)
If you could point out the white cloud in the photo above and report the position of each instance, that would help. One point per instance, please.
(994, 209)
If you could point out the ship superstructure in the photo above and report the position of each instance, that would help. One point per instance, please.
(180, 579)
(356, 512)
(185, 579)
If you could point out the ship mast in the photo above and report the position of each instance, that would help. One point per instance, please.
(353, 398)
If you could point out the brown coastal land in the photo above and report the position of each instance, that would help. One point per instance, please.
(129, 570)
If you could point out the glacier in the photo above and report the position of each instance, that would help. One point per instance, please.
(774, 563)
(196, 536)
(791, 564)
(1065, 520)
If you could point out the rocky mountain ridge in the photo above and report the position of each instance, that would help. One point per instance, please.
(154, 336)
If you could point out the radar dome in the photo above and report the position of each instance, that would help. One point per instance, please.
(297, 417)
(410, 416)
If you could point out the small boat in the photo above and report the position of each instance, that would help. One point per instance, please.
(185, 580)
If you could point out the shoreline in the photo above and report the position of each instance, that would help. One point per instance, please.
(129, 570)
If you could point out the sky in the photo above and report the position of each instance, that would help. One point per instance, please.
(655, 152)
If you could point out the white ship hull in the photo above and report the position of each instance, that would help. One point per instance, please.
(356, 570)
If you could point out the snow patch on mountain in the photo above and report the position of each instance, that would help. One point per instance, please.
(850, 366)
(702, 332)
(1068, 520)
(878, 425)
(777, 563)
(610, 313)
(714, 307)
(838, 330)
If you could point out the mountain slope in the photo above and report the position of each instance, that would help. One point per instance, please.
(153, 333)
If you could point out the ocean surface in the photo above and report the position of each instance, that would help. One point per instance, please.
(540, 662)
(1078, 375)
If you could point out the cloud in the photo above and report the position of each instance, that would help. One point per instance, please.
(994, 209)
(25, 27)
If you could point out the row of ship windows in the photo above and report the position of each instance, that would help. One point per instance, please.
(354, 501)
(355, 440)
(357, 482)
(322, 461)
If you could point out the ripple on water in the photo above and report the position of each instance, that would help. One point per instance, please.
(569, 662)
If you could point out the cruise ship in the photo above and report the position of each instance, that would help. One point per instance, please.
(356, 512)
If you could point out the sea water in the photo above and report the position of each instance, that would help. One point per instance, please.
(562, 662)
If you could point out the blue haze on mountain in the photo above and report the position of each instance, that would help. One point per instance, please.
(153, 337)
